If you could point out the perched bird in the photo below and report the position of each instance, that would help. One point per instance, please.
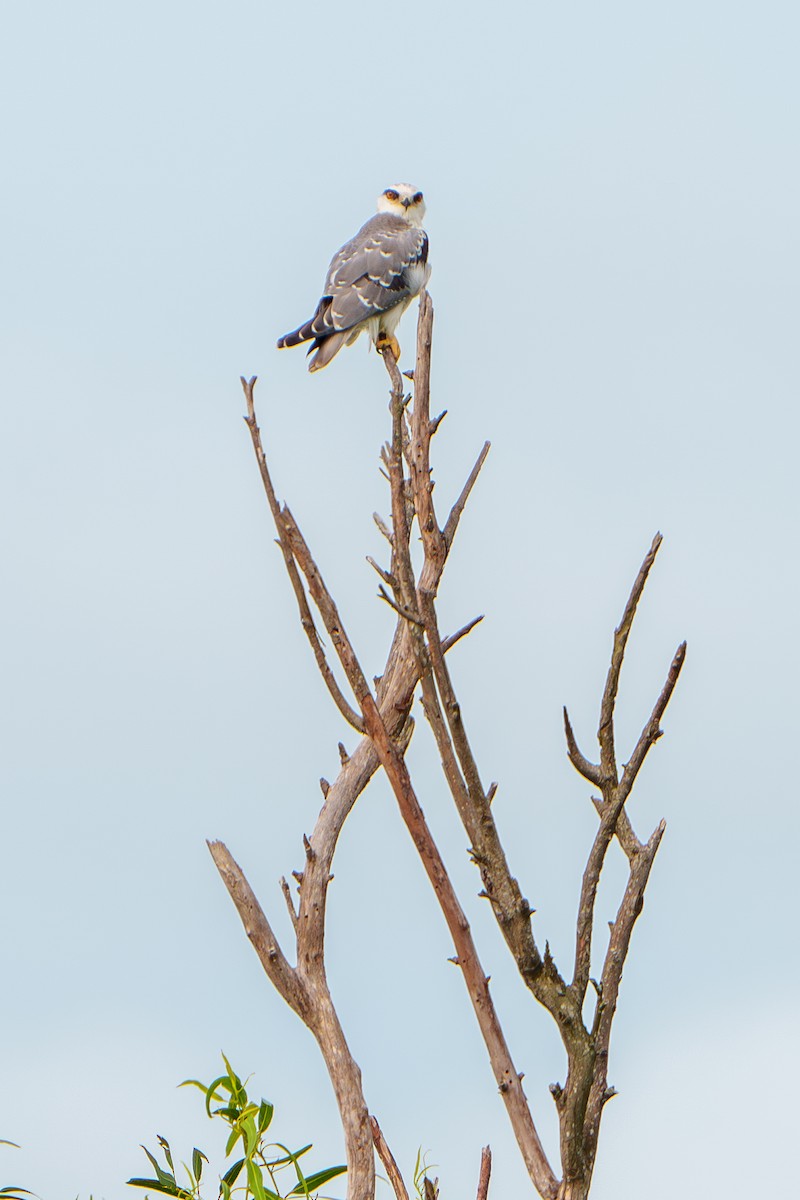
(371, 281)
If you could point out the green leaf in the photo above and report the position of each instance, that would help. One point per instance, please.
(317, 1180)
(229, 1113)
(248, 1127)
(198, 1158)
(236, 1133)
(164, 1144)
(265, 1111)
(255, 1181)
(156, 1185)
(291, 1155)
(164, 1177)
(4, 1142)
(237, 1087)
(232, 1174)
(224, 1190)
(210, 1091)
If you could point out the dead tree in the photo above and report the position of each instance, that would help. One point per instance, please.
(417, 659)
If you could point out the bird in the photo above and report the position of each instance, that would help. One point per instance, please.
(371, 281)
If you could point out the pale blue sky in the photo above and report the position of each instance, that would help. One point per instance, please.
(613, 194)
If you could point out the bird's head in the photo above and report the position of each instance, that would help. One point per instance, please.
(403, 200)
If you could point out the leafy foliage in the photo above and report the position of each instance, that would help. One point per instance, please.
(257, 1161)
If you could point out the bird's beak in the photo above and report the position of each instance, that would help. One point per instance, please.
(406, 203)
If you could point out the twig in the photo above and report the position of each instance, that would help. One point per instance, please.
(400, 609)
(451, 639)
(486, 1170)
(605, 732)
(388, 1160)
(258, 929)
(306, 619)
(652, 732)
(287, 895)
(386, 576)
(458, 508)
(614, 794)
(579, 761)
(383, 527)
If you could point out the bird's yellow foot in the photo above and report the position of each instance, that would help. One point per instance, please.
(387, 342)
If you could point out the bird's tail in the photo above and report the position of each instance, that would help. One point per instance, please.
(319, 325)
(304, 334)
(326, 349)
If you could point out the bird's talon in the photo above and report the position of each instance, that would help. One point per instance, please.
(385, 342)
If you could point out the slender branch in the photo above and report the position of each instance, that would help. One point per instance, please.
(388, 1160)
(582, 765)
(451, 639)
(652, 731)
(258, 929)
(458, 508)
(306, 619)
(327, 607)
(287, 895)
(611, 809)
(512, 910)
(605, 733)
(619, 943)
(386, 576)
(383, 527)
(400, 609)
(486, 1170)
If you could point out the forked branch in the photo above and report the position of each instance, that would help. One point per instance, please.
(381, 715)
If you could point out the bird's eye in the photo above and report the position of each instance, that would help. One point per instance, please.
(418, 198)
(391, 194)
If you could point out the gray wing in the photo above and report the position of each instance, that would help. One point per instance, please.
(370, 273)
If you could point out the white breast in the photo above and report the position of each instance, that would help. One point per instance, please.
(417, 276)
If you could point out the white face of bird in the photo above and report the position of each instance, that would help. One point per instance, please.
(403, 200)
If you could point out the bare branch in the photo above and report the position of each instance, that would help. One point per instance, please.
(621, 930)
(436, 548)
(451, 639)
(400, 609)
(486, 1170)
(511, 909)
(386, 576)
(306, 619)
(581, 764)
(619, 943)
(460, 504)
(388, 1160)
(325, 603)
(383, 527)
(652, 731)
(282, 976)
(605, 733)
(287, 895)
